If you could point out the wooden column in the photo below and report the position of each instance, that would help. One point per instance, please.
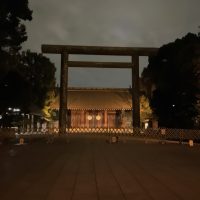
(86, 119)
(82, 118)
(105, 119)
(135, 92)
(63, 93)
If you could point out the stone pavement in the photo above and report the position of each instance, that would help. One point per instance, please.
(89, 168)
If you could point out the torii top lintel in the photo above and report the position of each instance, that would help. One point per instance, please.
(99, 50)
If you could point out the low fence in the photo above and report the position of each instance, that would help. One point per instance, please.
(180, 135)
(159, 133)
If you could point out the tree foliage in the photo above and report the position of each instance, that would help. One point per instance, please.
(28, 85)
(15, 92)
(47, 111)
(39, 72)
(175, 72)
(145, 109)
(12, 31)
(26, 79)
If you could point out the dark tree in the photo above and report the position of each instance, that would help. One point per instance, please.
(28, 85)
(12, 31)
(15, 92)
(39, 73)
(175, 73)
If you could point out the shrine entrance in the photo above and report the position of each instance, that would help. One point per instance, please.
(66, 50)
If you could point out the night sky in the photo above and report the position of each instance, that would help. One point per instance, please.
(135, 23)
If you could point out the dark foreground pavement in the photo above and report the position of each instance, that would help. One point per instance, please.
(89, 168)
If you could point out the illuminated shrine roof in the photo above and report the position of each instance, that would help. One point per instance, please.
(97, 99)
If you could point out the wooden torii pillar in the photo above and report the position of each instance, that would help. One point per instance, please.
(135, 92)
(63, 93)
(65, 50)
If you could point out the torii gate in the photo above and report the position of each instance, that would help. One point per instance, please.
(65, 50)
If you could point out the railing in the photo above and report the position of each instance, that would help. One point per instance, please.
(121, 131)
(179, 135)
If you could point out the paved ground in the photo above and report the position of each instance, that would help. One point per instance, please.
(89, 168)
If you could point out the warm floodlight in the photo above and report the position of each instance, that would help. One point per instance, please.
(98, 117)
(89, 117)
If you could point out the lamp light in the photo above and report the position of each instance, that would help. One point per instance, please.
(98, 117)
(89, 117)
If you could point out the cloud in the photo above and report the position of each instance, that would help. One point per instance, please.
(111, 23)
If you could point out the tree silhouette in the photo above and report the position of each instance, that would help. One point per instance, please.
(12, 31)
(175, 72)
